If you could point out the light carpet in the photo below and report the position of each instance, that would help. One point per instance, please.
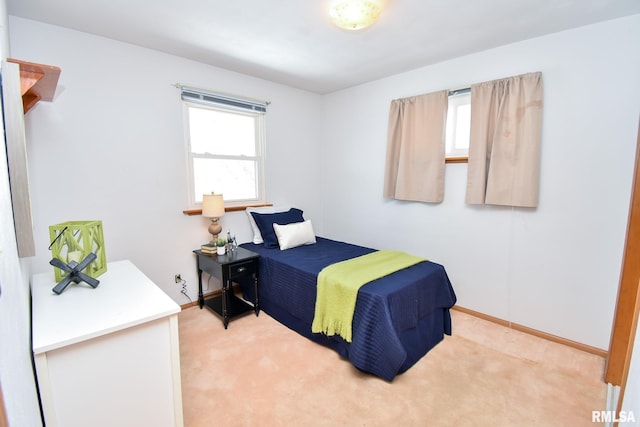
(259, 372)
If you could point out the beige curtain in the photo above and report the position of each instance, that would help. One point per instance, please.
(504, 146)
(415, 148)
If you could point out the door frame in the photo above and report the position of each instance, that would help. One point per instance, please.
(628, 303)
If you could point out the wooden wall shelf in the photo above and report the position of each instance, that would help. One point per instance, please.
(37, 82)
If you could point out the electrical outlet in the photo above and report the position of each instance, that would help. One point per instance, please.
(178, 278)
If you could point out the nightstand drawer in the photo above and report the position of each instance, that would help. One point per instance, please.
(242, 269)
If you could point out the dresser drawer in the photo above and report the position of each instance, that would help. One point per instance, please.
(242, 269)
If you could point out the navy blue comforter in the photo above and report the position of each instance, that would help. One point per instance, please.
(398, 318)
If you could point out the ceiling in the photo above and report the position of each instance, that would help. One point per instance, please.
(292, 41)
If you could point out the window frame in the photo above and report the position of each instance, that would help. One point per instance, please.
(259, 158)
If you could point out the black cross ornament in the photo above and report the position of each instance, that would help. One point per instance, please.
(75, 273)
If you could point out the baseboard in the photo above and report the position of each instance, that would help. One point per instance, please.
(534, 332)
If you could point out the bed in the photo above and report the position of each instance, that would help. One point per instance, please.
(397, 320)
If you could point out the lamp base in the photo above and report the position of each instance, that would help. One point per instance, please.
(214, 230)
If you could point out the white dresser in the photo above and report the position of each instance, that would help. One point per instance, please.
(107, 356)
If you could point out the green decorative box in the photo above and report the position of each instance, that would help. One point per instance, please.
(73, 241)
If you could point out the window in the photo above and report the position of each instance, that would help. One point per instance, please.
(225, 143)
(458, 125)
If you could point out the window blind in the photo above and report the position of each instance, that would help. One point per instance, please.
(201, 96)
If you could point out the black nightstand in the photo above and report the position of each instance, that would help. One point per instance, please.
(233, 266)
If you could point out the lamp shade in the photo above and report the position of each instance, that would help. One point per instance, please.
(212, 205)
(355, 14)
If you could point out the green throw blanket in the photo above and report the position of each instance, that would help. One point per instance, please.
(338, 286)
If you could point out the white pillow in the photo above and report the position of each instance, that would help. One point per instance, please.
(257, 237)
(294, 234)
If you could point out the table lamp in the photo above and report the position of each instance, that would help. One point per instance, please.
(213, 207)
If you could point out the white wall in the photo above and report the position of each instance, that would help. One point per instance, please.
(16, 372)
(555, 268)
(111, 147)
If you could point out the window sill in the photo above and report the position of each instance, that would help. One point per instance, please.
(456, 160)
(198, 211)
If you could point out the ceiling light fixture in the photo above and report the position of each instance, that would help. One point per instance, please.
(355, 14)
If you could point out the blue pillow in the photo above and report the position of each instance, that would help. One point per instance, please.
(265, 224)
